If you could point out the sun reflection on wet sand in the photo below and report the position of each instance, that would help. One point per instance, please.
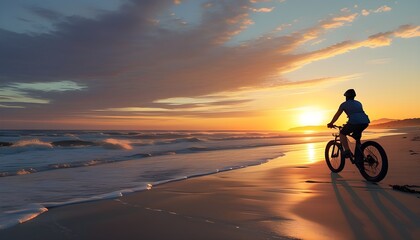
(296, 190)
(310, 147)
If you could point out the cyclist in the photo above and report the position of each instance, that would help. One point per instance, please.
(357, 120)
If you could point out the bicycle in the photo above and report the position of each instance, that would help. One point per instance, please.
(369, 157)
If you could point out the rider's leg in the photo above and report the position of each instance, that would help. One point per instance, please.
(346, 130)
(344, 142)
(357, 134)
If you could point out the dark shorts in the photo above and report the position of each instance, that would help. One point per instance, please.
(354, 130)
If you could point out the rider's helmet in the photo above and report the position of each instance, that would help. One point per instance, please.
(350, 93)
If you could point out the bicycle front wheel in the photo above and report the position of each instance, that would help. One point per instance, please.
(333, 157)
(375, 162)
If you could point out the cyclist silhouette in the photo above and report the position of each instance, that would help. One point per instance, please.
(357, 120)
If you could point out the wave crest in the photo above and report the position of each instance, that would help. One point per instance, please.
(35, 143)
(72, 143)
(112, 143)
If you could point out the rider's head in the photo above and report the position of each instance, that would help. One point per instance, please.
(350, 94)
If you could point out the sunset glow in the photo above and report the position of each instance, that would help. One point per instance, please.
(311, 118)
(235, 64)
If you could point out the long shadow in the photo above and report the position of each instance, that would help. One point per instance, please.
(396, 223)
(354, 222)
(358, 232)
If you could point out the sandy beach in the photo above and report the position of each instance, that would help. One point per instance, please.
(292, 197)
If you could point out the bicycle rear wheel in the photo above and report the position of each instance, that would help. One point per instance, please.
(333, 157)
(375, 162)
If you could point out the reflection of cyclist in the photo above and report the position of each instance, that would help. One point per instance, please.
(358, 120)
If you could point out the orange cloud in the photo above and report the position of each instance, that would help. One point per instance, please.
(263, 10)
(338, 21)
(373, 41)
(381, 9)
(407, 31)
(365, 12)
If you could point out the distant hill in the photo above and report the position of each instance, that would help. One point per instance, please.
(411, 122)
(380, 123)
(382, 120)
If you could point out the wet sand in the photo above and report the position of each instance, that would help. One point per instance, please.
(292, 197)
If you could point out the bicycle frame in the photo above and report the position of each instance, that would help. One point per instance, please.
(336, 140)
(356, 153)
(370, 157)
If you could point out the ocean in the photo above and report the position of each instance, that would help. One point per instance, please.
(45, 169)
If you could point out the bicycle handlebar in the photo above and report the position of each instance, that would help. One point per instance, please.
(336, 126)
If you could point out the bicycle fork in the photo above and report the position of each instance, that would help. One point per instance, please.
(336, 149)
(356, 157)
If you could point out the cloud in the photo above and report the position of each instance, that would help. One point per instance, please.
(365, 12)
(407, 31)
(10, 106)
(318, 81)
(381, 9)
(338, 21)
(60, 86)
(263, 10)
(123, 58)
(23, 92)
(133, 58)
(46, 13)
(205, 106)
(9, 97)
(318, 41)
(225, 104)
(373, 41)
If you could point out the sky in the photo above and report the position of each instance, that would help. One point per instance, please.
(204, 64)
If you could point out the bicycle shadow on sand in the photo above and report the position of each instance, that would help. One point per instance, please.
(386, 224)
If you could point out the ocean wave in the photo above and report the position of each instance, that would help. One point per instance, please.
(77, 164)
(11, 218)
(26, 171)
(72, 143)
(140, 155)
(111, 143)
(180, 140)
(121, 145)
(25, 146)
(160, 135)
(37, 144)
(198, 149)
(34, 143)
(22, 171)
(5, 144)
(14, 217)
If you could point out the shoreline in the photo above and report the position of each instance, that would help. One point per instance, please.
(245, 203)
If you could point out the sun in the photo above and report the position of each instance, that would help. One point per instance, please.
(311, 118)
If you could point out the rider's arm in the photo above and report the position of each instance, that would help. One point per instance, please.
(336, 116)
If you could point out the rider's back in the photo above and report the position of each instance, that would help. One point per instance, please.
(354, 111)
